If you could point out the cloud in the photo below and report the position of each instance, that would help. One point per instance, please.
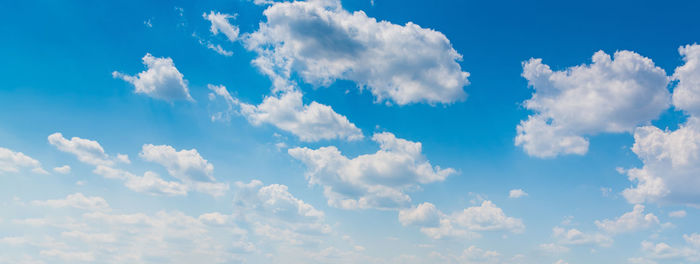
(186, 165)
(671, 158)
(311, 122)
(686, 95)
(610, 95)
(322, 42)
(220, 23)
(65, 169)
(87, 151)
(629, 222)
(77, 200)
(278, 216)
(12, 162)
(690, 253)
(671, 161)
(161, 80)
(150, 182)
(574, 236)
(378, 180)
(677, 214)
(517, 193)
(436, 224)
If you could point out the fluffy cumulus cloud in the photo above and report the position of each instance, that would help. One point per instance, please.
(287, 111)
(13, 162)
(686, 95)
(663, 251)
(161, 80)
(436, 224)
(77, 200)
(671, 158)
(322, 42)
(629, 222)
(150, 182)
(193, 173)
(574, 236)
(86, 150)
(267, 224)
(610, 95)
(220, 23)
(378, 180)
(65, 169)
(517, 193)
(309, 122)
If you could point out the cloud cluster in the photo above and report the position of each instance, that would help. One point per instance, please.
(161, 80)
(191, 170)
(378, 180)
(436, 224)
(609, 95)
(671, 158)
(322, 42)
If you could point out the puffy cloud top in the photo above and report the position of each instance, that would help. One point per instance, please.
(610, 95)
(161, 80)
(322, 42)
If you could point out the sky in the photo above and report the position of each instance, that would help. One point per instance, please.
(328, 131)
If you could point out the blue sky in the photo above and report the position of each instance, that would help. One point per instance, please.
(356, 132)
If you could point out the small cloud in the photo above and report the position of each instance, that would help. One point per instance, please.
(677, 214)
(65, 169)
(517, 193)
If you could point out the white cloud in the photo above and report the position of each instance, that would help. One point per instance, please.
(161, 80)
(517, 193)
(186, 165)
(77, 200)
(553, 248)
(311, 122)
(671, 158)
(65, 169)
(277, 216)
(286, 111)
(322, 42)
(609, 95)
(150, 182)
(220, 23)
(12, 162)
(671, 161)
(677, 214)
(436, 224)
(574, 236)
(665, 251)
(629, 222)
(378, 180)
(686, 95)
(87, 151)
(68, 256)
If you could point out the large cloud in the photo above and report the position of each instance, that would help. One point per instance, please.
(436, 224)
(610, 95)
(671, 158)
(378, 180)
(11, 161)
(220, 23)
(161, 80)
(322, 42)
(629, 222)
